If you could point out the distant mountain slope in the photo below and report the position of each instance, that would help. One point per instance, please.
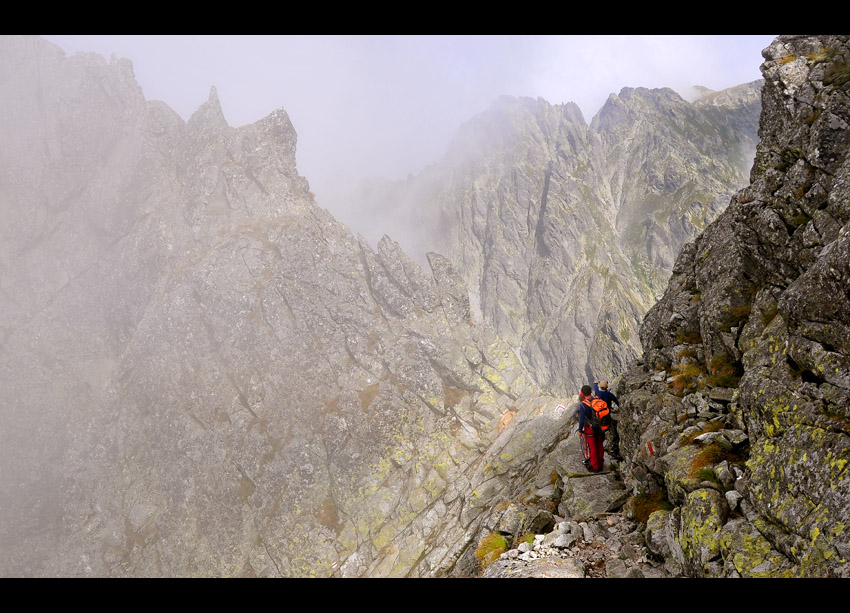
(566, 232)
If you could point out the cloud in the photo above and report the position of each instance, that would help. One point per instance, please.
(389, 105)
(587, 69)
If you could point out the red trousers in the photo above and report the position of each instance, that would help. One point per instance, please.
(594, 443)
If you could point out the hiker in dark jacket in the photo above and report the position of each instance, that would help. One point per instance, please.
(594, 439)
(600, 388)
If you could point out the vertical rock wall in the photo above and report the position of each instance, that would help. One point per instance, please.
(737, 410)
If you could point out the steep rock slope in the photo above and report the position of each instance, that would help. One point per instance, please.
(204, 373)
(84, 158)
(737, 415)
(566, 232)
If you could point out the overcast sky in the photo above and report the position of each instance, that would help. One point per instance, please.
(389, 105)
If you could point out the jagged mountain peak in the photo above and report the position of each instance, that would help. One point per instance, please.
(510, 105)
(648, 93)
(698, 91)
(209, 114)
(634, 104)
(213, 96)
(573, 113)
(637, 104)
(732, 96)
(510, 121)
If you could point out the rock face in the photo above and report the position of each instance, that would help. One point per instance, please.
(737, 412)
(570, 523)
(565, 232)
(609, 545)
(205, 374)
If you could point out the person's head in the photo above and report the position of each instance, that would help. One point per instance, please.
(603, 385)
(586, 391)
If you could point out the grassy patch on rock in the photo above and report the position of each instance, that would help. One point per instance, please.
(838, 74)
(687, 352)
(647, 503)
(723, 372)
(708, 474)
(490, 548)
(693, 337)
(714, 454)
(768, 314)
(713, 426)
(735, 317)
(686, 379)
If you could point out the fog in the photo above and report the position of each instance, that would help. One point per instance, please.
(81, 271)
(388, 106)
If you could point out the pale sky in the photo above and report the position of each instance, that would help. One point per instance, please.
(389, 105)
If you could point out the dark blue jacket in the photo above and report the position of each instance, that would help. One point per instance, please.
(607, 396)
(584, 412)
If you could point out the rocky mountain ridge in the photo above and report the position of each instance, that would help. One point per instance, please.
(207, 374)
(566, 232)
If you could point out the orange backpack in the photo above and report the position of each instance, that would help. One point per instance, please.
(600, 414)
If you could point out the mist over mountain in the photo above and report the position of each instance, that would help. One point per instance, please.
(206, 374)
(565, 232)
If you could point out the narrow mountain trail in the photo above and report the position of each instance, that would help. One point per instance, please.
(592, 537)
